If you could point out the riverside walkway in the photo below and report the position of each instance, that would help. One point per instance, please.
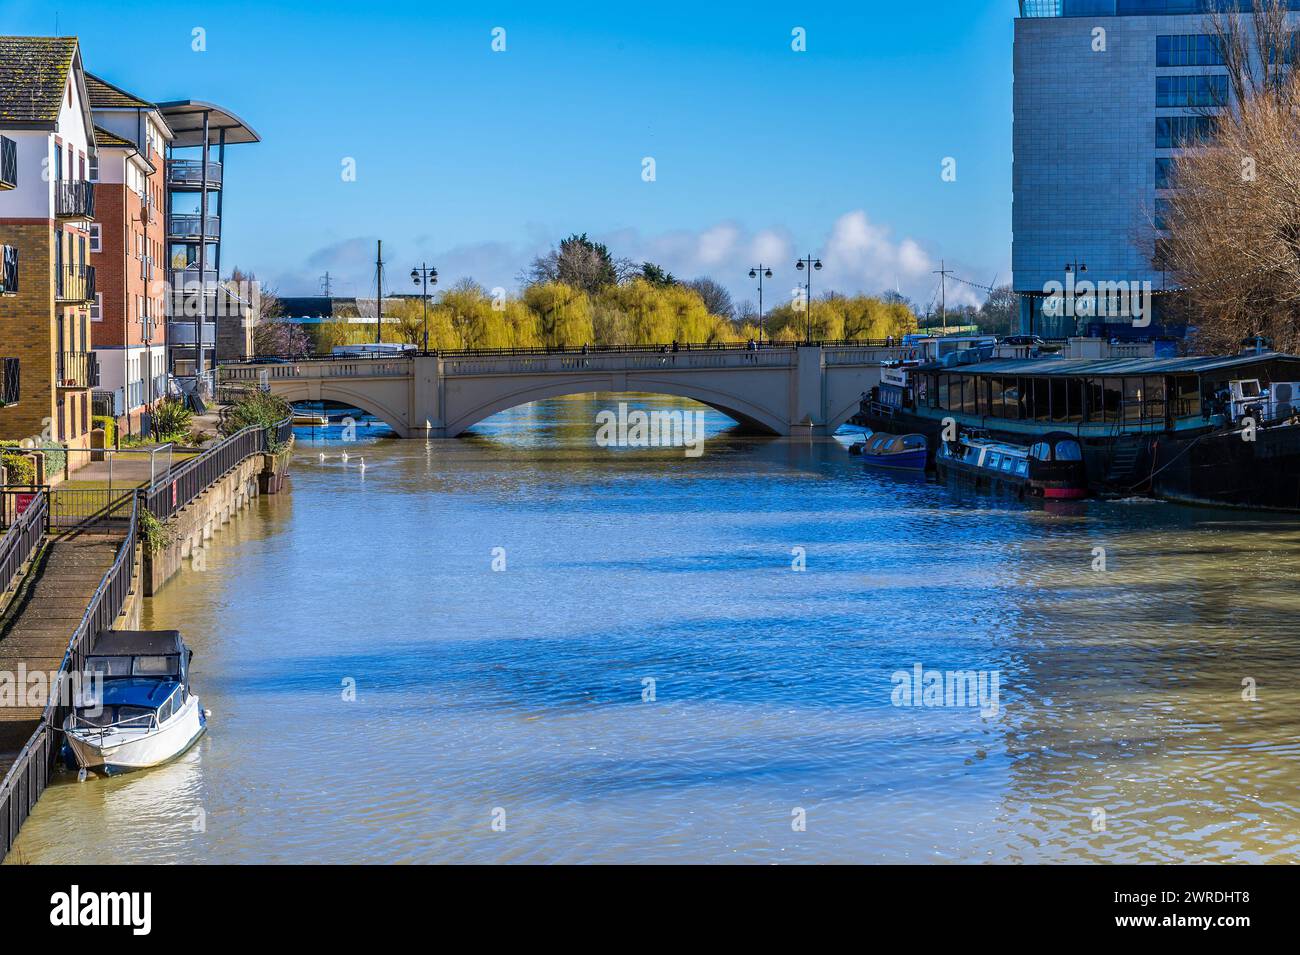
(68, 560)
(45, 612)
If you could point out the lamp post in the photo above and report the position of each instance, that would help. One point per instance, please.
(760, 273)
(425, 275)
(1075, 268)
(811, 265)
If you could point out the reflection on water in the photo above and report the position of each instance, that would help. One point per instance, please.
(522, 689)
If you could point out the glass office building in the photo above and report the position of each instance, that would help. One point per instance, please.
(1106, 94)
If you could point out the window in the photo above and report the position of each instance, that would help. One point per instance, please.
(1193, 50)
(94, 237)
(94, 168)
(1164, 173)
(1177, 132)
(1174, 91)
(1162, 212)
(97, 309)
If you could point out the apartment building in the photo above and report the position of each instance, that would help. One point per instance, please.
(1106, 94)
(47, 206)
(196, 181)
(128, 242)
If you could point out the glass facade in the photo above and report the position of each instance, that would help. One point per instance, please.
(1131, 8)
(1176, 132)
(1188, 50)
(1174, 91)
(1068, 400)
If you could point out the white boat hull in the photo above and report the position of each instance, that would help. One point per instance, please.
(124, 749)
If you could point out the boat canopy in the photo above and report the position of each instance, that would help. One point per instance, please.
(140, 653)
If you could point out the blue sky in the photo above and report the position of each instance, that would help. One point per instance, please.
(475, 161)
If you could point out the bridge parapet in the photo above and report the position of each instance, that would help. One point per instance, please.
(617, 361)
(782, 389)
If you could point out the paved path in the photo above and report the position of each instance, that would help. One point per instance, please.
(37, 628)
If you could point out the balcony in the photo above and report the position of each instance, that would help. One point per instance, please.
(8, 163)
(78, 369)
(74, 199)
(75, 284)
(189, 172)
(8, 381)
(8, 270)
(187, 226)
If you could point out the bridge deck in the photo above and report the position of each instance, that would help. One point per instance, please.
(36, 628)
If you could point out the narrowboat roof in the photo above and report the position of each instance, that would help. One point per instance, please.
(1113, 367)
(131, 643)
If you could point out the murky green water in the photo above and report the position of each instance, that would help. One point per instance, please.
(518, 695)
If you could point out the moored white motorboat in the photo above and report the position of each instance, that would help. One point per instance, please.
(142, 714)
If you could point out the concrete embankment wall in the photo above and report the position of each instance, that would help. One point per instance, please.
(199, 520)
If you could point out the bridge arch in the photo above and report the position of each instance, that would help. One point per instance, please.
(294, 391)
(744, 412)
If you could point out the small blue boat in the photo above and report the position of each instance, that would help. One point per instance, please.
(908, 452)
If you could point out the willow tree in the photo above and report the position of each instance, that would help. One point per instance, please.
(1232, 222)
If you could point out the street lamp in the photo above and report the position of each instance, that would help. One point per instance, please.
(425, 275)
(812, 265)
(1074, 268)
(760, 273)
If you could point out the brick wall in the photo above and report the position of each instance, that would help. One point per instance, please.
(28, 332)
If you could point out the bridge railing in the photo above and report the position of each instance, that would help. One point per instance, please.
(23, 535)
(27, 778)
(182, 485)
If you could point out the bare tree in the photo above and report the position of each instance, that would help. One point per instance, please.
(716, 298)
(1232, 223)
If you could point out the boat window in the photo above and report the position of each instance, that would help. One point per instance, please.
(1008, 463)
(109, 666)
(1068, 451)
(1042, 451)
(136, 714)
(1250, 389)
(1022, 468)
(165, 711)
(914, 441)
(155, 666)
(994, 459)
(103, 718)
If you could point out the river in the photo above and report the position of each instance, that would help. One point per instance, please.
(521, 647)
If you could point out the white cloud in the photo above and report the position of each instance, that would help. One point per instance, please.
(858, 255)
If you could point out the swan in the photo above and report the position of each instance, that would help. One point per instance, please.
(363, 465)
(345, 457)
(322, 457)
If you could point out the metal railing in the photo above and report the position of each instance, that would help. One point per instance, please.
(8, 163)
(186, 226)
(108, 508)
(30, 773)
(75, 283)
(189, 172)
(8, 269)
(24, 534)
(180, 486)
(77, 369)
(74, 199)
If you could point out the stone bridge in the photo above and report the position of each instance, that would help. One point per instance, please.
(782, 389)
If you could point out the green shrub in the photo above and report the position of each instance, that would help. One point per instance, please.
(255, 408)
(56, 459)
(153, 533)
(20, 469)
(110, 428)
(172, 419)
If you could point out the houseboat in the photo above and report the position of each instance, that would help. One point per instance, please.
(1220, 430)
(907, 452)
(1050, 468)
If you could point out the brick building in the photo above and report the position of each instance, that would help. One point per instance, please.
(47, 206)
(127, 249)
